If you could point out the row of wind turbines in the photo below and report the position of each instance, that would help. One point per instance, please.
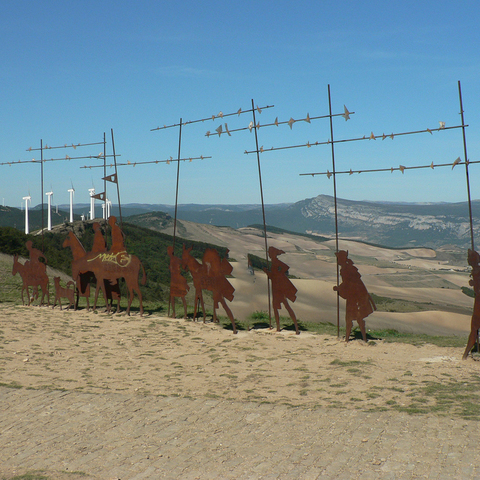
(106, 208)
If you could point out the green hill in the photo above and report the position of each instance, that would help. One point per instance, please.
(149, 246)
(14, 217)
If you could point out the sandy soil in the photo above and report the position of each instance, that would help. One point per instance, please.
(407, 274)
(94, 352)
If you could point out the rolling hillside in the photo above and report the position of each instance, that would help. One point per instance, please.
(389, 224)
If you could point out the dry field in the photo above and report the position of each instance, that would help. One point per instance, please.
(95, 396)
(264, 379)
(43, 348)
(423, 276)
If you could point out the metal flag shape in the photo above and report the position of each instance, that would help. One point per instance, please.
(111, 178)
(99, 196)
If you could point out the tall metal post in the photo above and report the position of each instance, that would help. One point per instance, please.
(176, 190)
(466, 166)
(116, 176)
(335, 203)
(468, 181)
(263, 212)
(105, 181)
(41, 179)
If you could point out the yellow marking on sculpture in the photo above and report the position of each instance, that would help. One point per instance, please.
(122, 259)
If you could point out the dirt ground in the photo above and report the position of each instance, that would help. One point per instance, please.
(153, 355)
(141, 359)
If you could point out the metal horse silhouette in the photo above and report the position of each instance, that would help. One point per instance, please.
(474, 262)
(282, 288)
(210, 275)
(83, 279)
(178, 283)
(64, 292)
(359, 302)
(107, 267)
(33, 273)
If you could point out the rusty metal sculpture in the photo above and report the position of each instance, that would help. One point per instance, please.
(33, 273)
(178, 283)
(64, 292)
(117, 236)
(100, 246)
(190, 263)
(210, 275)
(83, 279)
(359, 302)
(282, 288)
(107, 267)
(474, 262)
(216, 270)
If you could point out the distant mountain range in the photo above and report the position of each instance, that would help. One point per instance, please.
(384, 223)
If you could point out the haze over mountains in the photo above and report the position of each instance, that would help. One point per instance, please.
(384, 223)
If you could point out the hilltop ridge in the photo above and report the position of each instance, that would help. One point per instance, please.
(385, 223)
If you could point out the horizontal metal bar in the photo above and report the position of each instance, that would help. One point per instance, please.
(276, 123)
(133, 164)
(370, 137)
(213, 117)
(58, 159)
(20, 161)
(73, 145)
(392, 169)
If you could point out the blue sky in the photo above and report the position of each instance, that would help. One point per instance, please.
(74, 70)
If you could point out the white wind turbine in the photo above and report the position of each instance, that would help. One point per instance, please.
(27, 199)
(92, 203)
(71, 191)
(49, 195)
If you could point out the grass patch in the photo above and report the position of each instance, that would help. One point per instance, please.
(11, 385)
(349, 363)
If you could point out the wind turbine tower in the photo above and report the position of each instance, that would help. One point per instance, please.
(92, 203)
(109, 208)
(27, 199)
(49, 195)
(72, 191)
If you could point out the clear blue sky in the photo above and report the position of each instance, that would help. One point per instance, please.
(73, 70)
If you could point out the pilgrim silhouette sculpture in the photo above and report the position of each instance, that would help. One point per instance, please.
(474, 262)
(359, 302)
(282, 288)
(178, 283)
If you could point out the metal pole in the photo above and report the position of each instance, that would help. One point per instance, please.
(105, 181)
(466, 165)
(41, 193)
(468, 180)
(176, 191)
(116, 176)
(175, 215)
(263, 212)
(335, 202)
